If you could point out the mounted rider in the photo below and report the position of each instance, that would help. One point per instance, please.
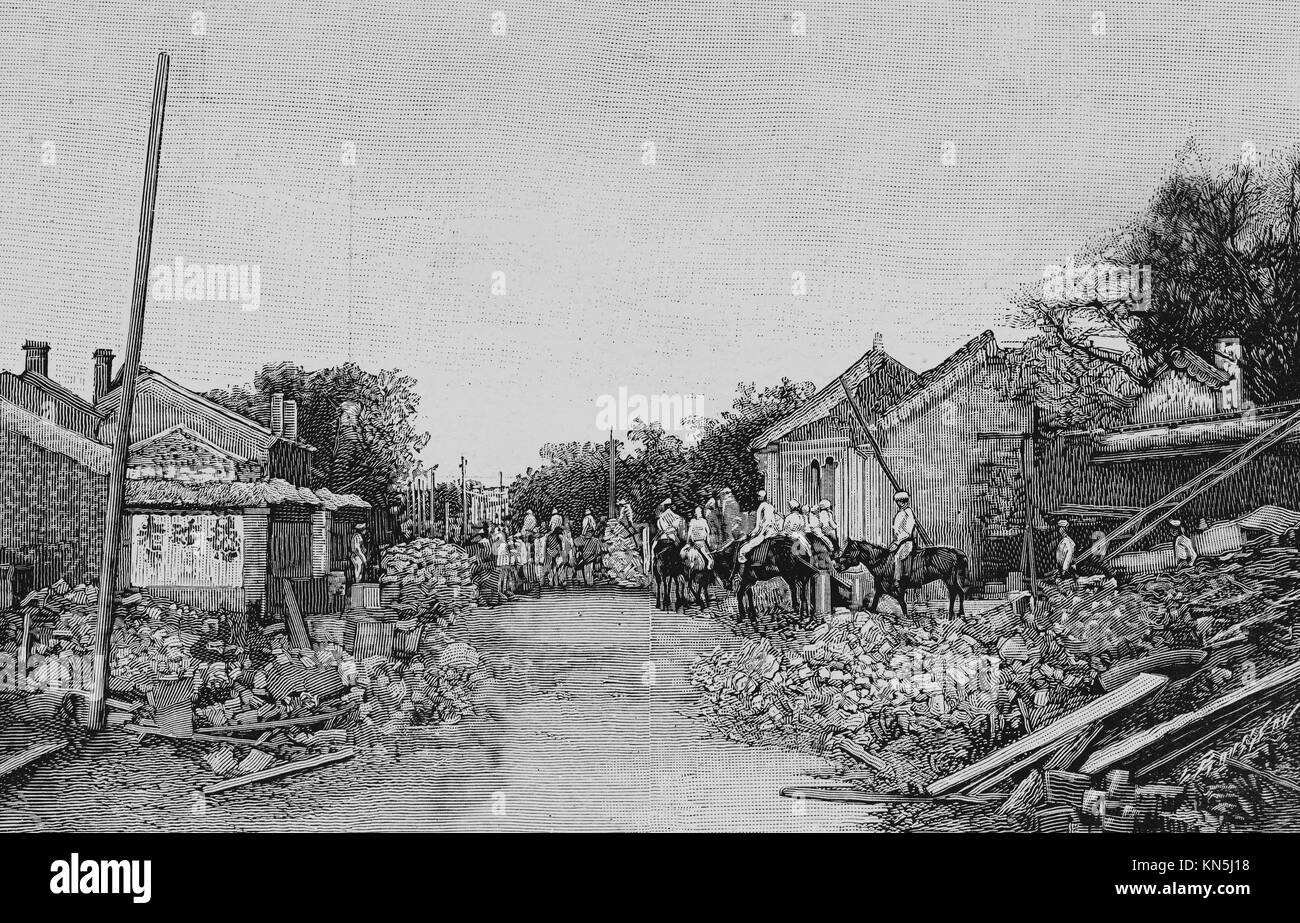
(904, 528)
(796, 527)
(765, 526)
(697, 537)
(825, 527)
(671, 526)
(588, 524)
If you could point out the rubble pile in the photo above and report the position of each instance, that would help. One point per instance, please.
(622, 557)
(862, 676)
(433, 578)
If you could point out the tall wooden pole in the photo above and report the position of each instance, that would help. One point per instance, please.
(613, 481)
(464, 501)
(97, 710)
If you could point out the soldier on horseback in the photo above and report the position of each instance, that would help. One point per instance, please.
(825, 527)
(697, 537)
(796, 527)
(904, 528)
(765, 526)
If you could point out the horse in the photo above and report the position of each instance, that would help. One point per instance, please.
(553, 562)
(587, 550)
(668, 568)
(775, 557)
(924, 565)
(696, 576)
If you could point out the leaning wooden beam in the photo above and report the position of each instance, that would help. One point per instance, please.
(1216, 717)
(1131, 692)
(30, 755)
(276, 771)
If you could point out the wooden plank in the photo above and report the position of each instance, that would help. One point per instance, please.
(275, 772)
(1134, 691)
(305, 721)
(1264, 774)
(1219, 715)
(154, 730)
(293, 619)
(1167, 662)
(1011, 771)
(30, 755)
(861, 755)
(857, 796)
(1069, 753)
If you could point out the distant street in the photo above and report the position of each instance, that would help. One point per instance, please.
(577, 740)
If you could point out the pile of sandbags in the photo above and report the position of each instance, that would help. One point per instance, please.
(433, 577)
(622, 558)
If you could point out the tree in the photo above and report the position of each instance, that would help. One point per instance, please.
(362, 424)
(1221, 251)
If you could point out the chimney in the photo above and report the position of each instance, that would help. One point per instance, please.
(277, 413)
(289, 416)
(38, 357)
(103, 373)
(878, 343)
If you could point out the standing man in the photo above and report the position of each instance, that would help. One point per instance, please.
(731, 521)
(765, 527)
(529, 528)
(717, 531)
(625, 515)
(556, 523)
(357, 553)
(1064, 548)
(1184, 551)
(904, 529)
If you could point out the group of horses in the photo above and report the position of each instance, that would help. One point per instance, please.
(683, 568)
(553, 562)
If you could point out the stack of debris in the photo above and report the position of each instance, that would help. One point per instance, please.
(864, 676)
(622, 558)
(432, 577)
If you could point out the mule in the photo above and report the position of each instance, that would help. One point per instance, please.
(697, 577)
(923, 566)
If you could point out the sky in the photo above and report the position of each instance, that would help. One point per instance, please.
(528, 206)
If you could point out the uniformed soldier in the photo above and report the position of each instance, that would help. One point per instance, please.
(765, 526)
(904, 528)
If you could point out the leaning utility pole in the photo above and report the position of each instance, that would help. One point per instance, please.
(97, 708)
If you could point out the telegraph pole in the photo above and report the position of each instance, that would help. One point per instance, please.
(464, 501)
(97, 708)
(613, 479)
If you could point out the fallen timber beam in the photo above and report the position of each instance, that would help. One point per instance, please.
(30, 755)
(1127, 695)
(857, 796)
(1270, 777)
(304, 721)
(861, 755)
(276, 771)
(1171, 740)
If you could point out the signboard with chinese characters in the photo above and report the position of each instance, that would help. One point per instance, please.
(185, 549)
